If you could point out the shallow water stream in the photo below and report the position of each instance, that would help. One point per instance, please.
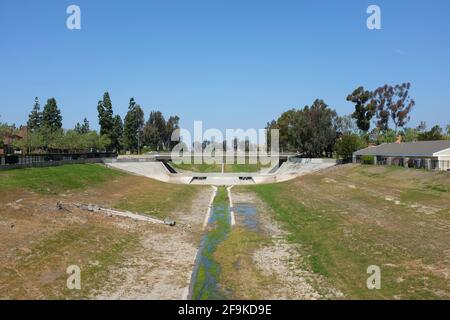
(204, 282)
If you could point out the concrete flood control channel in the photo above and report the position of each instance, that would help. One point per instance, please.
(206, 274)
(162, 171)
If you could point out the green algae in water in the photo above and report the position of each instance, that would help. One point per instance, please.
(207, 271)
(206, 274)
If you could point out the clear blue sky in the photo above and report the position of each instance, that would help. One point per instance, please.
(229, 63)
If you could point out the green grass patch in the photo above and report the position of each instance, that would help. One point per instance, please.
(203, 168)
(230, 168)
(438, 187)
(420, 195)
(221, 198)
(244, 167)
(54, 180)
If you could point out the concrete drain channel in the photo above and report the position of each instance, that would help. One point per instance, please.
(205, 277)
(216, 179)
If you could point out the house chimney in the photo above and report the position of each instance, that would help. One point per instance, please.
(399, 139)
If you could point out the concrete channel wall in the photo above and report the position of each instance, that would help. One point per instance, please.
(158, 171)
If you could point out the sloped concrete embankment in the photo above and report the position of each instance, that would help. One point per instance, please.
(287, 171)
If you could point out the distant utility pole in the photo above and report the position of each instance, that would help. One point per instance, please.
(139, 141)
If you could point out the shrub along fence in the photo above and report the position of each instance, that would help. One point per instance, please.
(53, 159)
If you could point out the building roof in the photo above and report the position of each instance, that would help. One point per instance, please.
(407, 149)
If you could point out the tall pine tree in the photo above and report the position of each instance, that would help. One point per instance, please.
(35, 117)
(51, 116)
(105, 115)
(155, 130)
(133, 125)
(171, 125)
(116, 133)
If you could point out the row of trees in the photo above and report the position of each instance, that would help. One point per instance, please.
(45, 131)
(380, 116)
(387, 104)
(62, 140)
(50, 118)
(157, 133)
(312, 130)
(134, 133)
(317, 130)
(388, 108)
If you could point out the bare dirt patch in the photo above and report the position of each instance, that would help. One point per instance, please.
(160, 266)
(280, 270)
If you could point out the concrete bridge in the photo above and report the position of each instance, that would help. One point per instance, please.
(282, 156)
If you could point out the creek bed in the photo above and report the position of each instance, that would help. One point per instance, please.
(205, 278)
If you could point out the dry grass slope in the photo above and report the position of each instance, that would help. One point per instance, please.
(38, 242)
(350, 217)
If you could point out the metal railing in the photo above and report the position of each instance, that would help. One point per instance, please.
(53, 159)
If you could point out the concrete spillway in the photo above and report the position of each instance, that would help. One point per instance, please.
(287, 171)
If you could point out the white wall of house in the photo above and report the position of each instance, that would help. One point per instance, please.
(444, 162)
(444, 159)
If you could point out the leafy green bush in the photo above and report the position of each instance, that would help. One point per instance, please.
(146, 149)
(67, 140)
(348, 144)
